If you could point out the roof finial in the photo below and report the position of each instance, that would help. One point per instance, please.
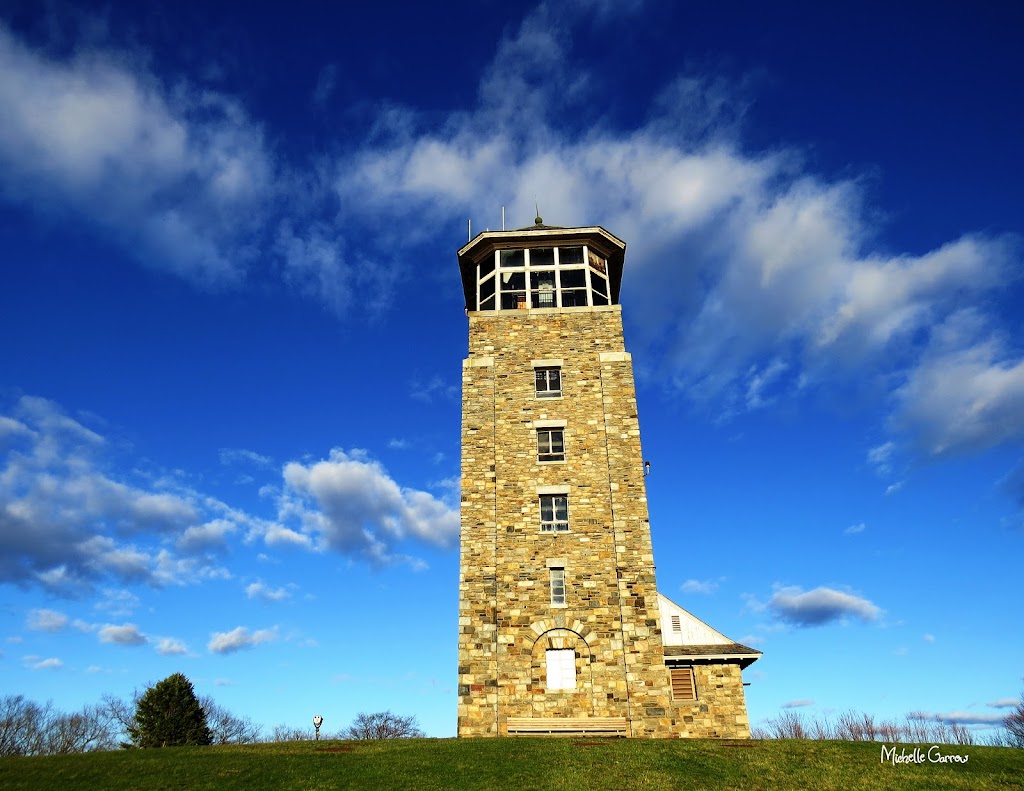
(538, 219)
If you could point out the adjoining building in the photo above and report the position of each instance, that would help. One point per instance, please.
(561, 626)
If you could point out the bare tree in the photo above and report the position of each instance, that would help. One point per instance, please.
(120, 715)
(788, 725)
(382, 725)
(22, 723)
(85, 731)
(27, 728)
(286, 733)
(226, 728)
(1014, 724)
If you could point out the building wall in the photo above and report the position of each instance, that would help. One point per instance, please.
(720, 711)
(506, 620)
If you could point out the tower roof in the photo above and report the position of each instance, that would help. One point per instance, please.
(539, 235)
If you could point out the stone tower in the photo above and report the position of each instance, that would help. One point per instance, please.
(560, 621)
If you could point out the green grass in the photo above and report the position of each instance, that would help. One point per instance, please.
(520, 764)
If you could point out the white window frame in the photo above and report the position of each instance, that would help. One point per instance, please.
(546, 454)
(557, 585)
(557, 267)
(554, 525)
(546, 370)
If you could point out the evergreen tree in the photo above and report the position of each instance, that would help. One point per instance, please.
(169, 715)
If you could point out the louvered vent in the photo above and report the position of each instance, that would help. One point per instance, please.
(682, 684)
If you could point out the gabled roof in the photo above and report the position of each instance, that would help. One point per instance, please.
(695, 640)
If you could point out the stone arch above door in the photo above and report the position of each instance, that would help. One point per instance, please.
(578, 702)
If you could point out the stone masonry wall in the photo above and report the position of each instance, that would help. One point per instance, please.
(477, 690)
(506, 619)
(720, 711)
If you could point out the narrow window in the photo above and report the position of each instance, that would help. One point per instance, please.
(561, 668)
(570, 255)
(557, 581)
(682, 684)
(600, 289)
(574, 287)
(487, 292)
(512, 258)
(542, 256)
(550, 444)
(513, 290)
(677, 625)
(542, 288)
(549, 382)
(554, 513)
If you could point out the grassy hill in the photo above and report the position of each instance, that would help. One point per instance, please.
(520, 764)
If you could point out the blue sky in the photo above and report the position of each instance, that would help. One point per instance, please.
(232, 333)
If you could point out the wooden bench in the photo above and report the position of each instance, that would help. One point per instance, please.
(568, 726)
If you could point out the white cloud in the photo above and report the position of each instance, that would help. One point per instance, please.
(963, 398)
(797, 704)
(170, 646)
(819, 606)
(958, 717)
(117, 602)
(1004, 703)
(779, 284)
(698, 586)
(880, 457)
(314, 265)
(67, 523)
(125, 634)
(258, 590)
(325, 83)
(435, 387)
(278, 535)
(238, 639)
(928, 638)
(177, 173)
(9, 427)
(230, 456)
(47, 620)
(852, 530)
(48, 664)
(348, 503)
(205, 537)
